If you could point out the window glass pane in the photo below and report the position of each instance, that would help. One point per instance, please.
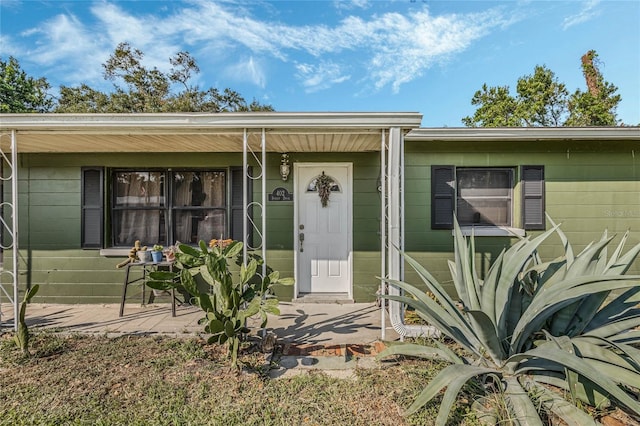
(148, 226)
(139, 189)
(313, 185)
(484, 196)
(484, 212)
(191, 226)
(197, 188)
(487, 183)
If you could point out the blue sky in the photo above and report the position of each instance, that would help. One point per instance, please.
(362, 55)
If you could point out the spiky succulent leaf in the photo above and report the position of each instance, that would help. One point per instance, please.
(436, 288)
(453, 377)
(568, 250)
(565, 410)
(551, 353)
(520, 404)
(437, 316)
(611, 353)
(488, 335)
(630, 353)
(574, 317)
(419, 351)
(514, 261)
(624, 262)
(585, 390)
(615, 309)
(465, 279)
(618, 327)
(547, 303)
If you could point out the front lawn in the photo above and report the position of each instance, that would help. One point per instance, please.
(152, 380)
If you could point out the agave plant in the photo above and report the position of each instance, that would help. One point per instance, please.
(231, 301)
(570, 322)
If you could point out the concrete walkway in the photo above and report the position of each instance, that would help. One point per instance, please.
(298, 323)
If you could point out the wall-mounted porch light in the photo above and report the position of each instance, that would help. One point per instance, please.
(285, 169)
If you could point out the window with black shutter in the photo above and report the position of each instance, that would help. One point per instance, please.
(533, 203)
(483, 196)
(442, 196)
(92, 191)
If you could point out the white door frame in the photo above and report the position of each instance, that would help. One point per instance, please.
(296, 243)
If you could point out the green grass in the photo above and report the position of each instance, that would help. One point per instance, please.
(87, 380)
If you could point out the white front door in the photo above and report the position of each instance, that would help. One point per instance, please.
(323, 233)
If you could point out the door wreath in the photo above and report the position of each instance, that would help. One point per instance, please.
(323, 185)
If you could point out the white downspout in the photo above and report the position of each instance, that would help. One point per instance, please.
(245, 198)
(395, 193)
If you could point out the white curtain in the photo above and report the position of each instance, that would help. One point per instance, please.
(139, 189)
(199, 202)
(182, 198)
(213, 223)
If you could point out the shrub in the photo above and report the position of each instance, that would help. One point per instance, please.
(229, 303)
(569, 322)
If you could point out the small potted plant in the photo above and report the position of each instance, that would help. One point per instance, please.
(156, 253)
(171, 253)
(143, 254)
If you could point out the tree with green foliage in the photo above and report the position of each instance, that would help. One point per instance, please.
(541, 98)
(597, 106)
(543, 101)
(21, 93)
(496, 108)
(141, 89)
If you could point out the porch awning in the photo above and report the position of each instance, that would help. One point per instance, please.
(191, 132)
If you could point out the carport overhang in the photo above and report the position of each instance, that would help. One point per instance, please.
(254, 132)
(190, 132)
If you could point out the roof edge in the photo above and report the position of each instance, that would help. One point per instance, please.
(270, 120)
(449, 134)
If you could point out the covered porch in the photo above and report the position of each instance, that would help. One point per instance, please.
(255, 135)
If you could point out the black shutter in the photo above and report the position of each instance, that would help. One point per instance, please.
(236, 204)
(443, 196)
(533, 205)
(92, 191)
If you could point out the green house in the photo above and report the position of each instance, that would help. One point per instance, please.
(327, 198)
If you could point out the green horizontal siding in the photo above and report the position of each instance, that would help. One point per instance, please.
(590, 187)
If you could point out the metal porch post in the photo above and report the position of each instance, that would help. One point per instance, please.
(12, 228)
(383, 236)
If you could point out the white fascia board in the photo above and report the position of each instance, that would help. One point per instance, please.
(185, 121)
(515, 134)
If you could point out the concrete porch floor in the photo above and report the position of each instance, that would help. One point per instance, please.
(299, 323)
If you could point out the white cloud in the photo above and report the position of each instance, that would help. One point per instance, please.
(66, 48)
(7, 46)
(390, 49)
(248, 70)
(587, 12)
(320, 76)
(11, 4)
(351, 4)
